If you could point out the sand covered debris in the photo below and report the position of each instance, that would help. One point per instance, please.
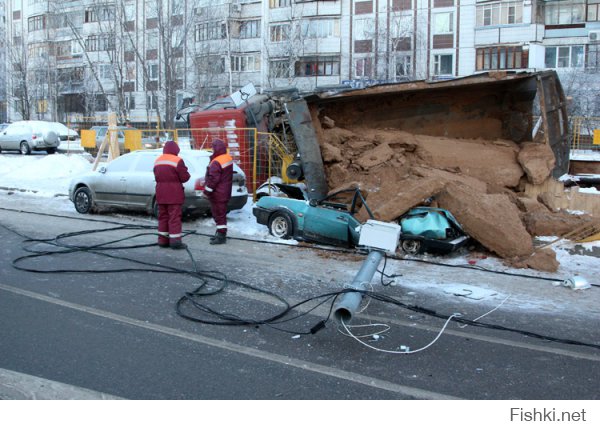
(477, 180)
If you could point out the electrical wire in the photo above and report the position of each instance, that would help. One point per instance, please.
(211, 283)
(407, 351)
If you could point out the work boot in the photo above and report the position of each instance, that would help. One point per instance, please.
(178, 245)
(163, 245)
(219, 238)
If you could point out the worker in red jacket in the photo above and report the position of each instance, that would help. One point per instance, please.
(217, 188)
(170, 173)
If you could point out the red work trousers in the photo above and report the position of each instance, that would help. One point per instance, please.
(169, 224)
(219, 214)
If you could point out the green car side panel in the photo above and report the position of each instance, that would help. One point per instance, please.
(318, 223)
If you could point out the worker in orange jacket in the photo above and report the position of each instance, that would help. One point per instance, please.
(217, 188)
(170, 173)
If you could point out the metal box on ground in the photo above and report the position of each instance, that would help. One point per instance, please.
(379, 235)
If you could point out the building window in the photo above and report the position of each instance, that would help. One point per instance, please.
(500, 57)
(245, 63)
(317, 66)
(105, 71)
(592, 61)
(442, 64)
(63, 49)
(275, 4)
(593, 11)
(99, 13)
(37, 50)
(250, 29)
(279, 68)
(320, 28)
(403, 66)
(210, 31)
(564, 12)
(279, 32)
(152, 101)
(443, 23)
(362, 67)
(153, 72)
(105, 42)
(501, 13)
(36, 23)
(129, 102)
(558, 57)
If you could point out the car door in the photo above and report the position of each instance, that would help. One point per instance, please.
(12, 136)
(111, 184)
(322, 224)
(141, 186)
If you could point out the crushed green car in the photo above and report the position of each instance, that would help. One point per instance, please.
(332, 221)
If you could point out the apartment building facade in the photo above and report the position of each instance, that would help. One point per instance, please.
(143, 58)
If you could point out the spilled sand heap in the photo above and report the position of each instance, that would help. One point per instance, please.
(479, 181)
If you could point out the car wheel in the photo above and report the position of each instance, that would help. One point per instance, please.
(51, 150)
(83, 200)
(25, 149)
(281, 226)
(411, 246)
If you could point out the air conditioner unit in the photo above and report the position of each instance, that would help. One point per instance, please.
(594, 36)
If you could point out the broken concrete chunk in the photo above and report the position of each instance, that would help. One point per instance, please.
(337, 136)
(330, 153)
(327, 122)
(537, 160)
(492, 220)
(494, 164)
(411, 192)
(542, 259)
(546, 223)
(527, 204)
(375, 157)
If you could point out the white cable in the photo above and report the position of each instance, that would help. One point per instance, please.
(487, 313)
(400, 352)
(387, 327)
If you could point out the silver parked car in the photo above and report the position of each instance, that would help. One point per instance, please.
(27, 136)
(128, 182)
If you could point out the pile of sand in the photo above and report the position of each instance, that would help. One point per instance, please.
(479, 181)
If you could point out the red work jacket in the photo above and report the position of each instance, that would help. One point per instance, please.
(170, 173)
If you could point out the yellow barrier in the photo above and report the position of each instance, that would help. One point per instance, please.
(88, 138)
(133, 139)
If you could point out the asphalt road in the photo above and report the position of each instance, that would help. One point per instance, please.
(105, 335)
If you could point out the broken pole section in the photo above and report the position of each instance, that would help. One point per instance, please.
(350, 301)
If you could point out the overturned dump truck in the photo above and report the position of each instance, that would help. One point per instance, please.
(472, 146)
(467, 145)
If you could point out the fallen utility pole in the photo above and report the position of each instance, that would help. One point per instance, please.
(378, 237)
(350, 301)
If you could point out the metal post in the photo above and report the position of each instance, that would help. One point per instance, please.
(349, 302)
